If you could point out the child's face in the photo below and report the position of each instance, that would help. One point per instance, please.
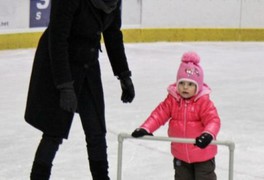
(186, 89)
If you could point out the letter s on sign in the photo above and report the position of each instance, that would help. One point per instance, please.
(38, 16)
(43, 4)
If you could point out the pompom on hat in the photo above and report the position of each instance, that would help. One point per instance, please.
(190, 70)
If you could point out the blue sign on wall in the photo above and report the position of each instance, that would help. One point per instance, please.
(39, 13)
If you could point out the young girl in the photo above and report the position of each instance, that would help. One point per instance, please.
(191, 114)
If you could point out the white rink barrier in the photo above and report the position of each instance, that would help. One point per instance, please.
(123, 136)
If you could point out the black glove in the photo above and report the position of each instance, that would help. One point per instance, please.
(139, 132)
(128, 91)
(68, 99)
(203, 140)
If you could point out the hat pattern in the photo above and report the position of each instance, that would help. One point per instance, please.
(192, 71)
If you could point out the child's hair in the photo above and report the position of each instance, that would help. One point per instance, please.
(190, 70)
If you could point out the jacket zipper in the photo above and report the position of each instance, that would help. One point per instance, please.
(185, 125)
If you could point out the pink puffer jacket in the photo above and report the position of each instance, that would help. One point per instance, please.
(187, 119)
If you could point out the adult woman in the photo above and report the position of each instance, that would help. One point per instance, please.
(66, 79)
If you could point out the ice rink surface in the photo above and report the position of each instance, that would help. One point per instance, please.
(234, 71)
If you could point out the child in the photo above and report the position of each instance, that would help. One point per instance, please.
(191, 114)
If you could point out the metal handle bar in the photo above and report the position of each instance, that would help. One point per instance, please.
(123, 136)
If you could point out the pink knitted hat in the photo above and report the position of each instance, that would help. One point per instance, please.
(190, 70)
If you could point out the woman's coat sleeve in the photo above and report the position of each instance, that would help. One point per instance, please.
(61, 16)
(113, 39)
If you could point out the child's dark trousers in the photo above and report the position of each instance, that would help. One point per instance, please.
(194, 171)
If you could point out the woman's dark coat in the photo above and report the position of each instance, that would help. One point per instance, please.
(68, 51)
